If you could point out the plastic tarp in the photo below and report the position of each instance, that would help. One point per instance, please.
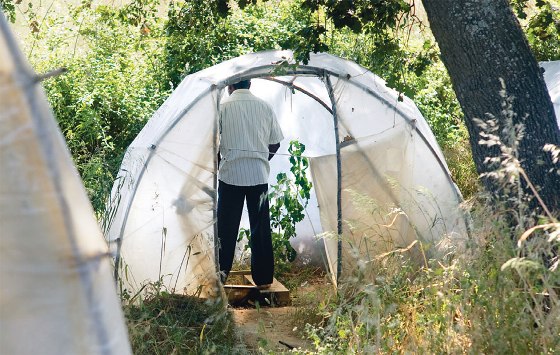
(395, 185)
(58, 295)
(552, 80)
(163, 201)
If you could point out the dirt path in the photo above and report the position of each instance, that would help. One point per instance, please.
(272, 329)
(264, 329)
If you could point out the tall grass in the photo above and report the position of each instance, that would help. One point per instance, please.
(492, 297)
(497, 294)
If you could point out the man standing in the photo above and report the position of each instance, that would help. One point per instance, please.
(249, 137)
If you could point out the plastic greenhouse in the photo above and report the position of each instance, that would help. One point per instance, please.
(366, 145)
(58, 295)
(552, 79)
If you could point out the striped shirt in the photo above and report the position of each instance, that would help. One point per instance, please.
(247, 126)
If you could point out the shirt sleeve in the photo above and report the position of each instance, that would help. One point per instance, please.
(276, 132)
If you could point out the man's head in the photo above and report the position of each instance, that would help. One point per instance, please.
(243, 84)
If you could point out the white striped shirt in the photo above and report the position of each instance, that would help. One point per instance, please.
(248, 126)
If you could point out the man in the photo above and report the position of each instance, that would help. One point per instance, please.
(249, 137)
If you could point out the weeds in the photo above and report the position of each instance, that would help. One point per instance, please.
(166, 323)
(487, 300)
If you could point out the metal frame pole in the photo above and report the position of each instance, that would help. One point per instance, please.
(215, 197)
(338, 177)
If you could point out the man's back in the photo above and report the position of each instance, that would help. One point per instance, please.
(247, 127)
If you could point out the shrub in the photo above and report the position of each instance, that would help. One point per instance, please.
(110, 89)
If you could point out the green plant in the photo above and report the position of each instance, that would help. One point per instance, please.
(288, 199)
(111, 87)
(200, 34)
(541, 23)
(9, 9)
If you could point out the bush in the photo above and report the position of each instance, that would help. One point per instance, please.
(111, 87)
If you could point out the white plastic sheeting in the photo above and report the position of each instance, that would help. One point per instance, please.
(58, 295)
(164, 199)
(552, 79)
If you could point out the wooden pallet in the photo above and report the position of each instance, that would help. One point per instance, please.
(247, 292)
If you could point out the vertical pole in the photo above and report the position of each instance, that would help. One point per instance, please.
(215, 184)
(338, 178)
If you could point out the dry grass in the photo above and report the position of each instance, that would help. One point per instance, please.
(165, 323)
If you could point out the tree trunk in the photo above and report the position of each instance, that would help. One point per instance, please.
(481, 42)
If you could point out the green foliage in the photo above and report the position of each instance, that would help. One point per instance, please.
(9, 9)
(543, 33)
(541, 23)
(139, 13)
(109, 90)
(307, 39)
(288, 200)
(198, 37)
(191, 33)
(377, 19)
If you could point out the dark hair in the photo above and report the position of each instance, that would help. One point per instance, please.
(243, 84)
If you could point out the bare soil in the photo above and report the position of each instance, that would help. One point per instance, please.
(279, 329)
(269, 329)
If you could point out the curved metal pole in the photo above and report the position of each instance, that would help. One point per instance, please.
(338, 178)
(302, 90)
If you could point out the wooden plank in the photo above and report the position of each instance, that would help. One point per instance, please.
(238, 293)
(278, 293)
(276, 286)
(240, 272)
(249, 287)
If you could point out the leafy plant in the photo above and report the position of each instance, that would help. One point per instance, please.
(289, 197)
(111, 87)
(200, 34)
(288, 200)
(9, 9)
(541, 22)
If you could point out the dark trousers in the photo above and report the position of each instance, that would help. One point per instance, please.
(230, 208)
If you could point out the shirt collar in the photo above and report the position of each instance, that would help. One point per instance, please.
(241, 92)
